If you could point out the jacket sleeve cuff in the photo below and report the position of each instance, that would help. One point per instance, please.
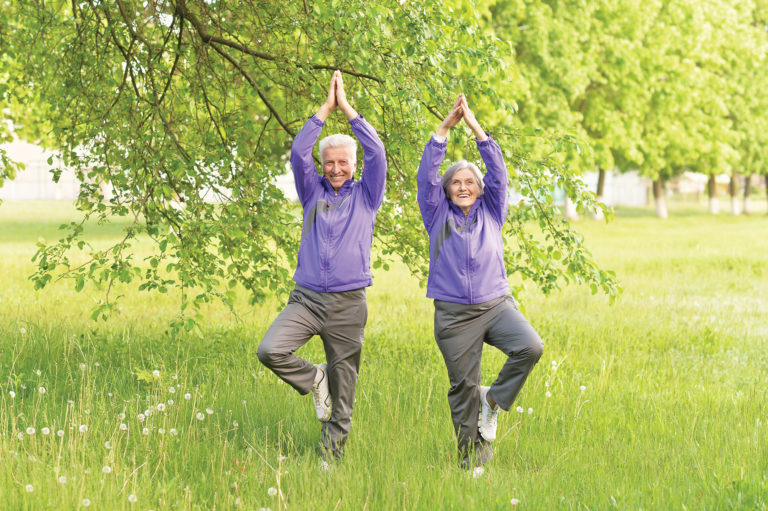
(317, 121)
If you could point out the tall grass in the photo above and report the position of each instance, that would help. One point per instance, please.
(658, 402)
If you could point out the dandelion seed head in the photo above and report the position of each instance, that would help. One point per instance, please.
(519, 409)
(30, 430)
(548, 394)
(514, 502)
(23, 331)
(38, 372)
(20, 435)
(156, 373)
(62, 479)
(160, 431)
(272, 492)
(530, 411)
(187, 396)
(200, 416)
(123, 427)
(132, 498)
(145, 431)
(173, 432)
(209, 411)
(106, 469)
(83, 367)
(86, 502)
(141, 417)
(583, 388)
(45, 431)
(83, 428)
(107, 445)
(29, 488)
(161, 407)
(477, 472)
(170, 402)
(172, 390)
(60, 433)
(41, 390)
(12, 394)
(121, 416)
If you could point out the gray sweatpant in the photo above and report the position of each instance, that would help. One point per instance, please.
(339, 319)
(460, 331)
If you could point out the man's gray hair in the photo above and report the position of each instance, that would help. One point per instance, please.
(340, 140)
(463, 164)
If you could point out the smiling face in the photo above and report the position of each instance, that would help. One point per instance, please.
(463, 189)
(338, 165)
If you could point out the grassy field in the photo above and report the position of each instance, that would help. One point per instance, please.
(657, 402)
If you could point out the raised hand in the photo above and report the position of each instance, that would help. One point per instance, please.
(341, 97)
(330, 101)
(469, 118)
(452, 119)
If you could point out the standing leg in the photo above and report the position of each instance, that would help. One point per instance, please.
(291, 330)
(513, 334)
(462, 346)
(343, 342)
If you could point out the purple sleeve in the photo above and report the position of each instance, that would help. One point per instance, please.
(431, 195)
(304, 171)
(374, 161)
(496, 180)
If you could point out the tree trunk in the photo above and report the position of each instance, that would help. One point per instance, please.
(570, 209)
(733, 189)
(658, 196)
(766, 189)
(600, 190)
(714, 204)
(747, 203)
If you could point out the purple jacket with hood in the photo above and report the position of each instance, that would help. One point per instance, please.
(335, 250)
(466, 253)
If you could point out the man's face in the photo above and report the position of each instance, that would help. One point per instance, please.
(463, 189)
(338, 165)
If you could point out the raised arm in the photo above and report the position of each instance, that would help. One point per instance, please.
(496, 179)
(431, 195)
(304, 171)
(374, 175)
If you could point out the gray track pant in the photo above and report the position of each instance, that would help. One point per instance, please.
(460, 331)
(339, 319)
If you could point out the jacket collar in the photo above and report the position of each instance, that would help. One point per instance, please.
(472, 210)
(345, 187)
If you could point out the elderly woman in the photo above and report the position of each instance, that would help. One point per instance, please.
(463, 212)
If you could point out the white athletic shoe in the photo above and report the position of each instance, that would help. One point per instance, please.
(486, 422)
(322, 394)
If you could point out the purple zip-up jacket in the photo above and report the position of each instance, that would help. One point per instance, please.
(466, 254)
(335, 250)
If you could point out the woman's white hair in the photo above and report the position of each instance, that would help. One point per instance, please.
(340, 140)
(463, 164)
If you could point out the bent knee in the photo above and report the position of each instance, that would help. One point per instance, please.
(535, 349)
(267, 355)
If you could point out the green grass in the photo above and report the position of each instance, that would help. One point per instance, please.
(673, 414)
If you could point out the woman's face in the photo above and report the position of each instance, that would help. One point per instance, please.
(463, 189)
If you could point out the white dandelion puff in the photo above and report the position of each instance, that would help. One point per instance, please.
(83, 428)
(200, 416)
(519, 409)
(530, 411)
(60, 433)
(62, 479)
(172, 390)
(548, 394)
(121, 416)
(272, 492)
(583, 388)
(132, 498)
(45, 431)
(187, 396)
(29, 487)
(41, 390)
(156, 373)
(23, 331)
(514, 502)
(123, 427)
(145, 431)
(160, 431)
(20, 435)
(86, 502)
(30, 430)
(141, 417)
(83, 367)
(107, 445)
(12, 394)
(161, 407)
(477, 472)
(106, 469)
(173, 432)
(170, 402)
(209, 411)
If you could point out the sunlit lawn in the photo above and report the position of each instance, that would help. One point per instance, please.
(658, 402)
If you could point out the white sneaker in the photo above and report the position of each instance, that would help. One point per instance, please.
(486, 422)
(322, 394)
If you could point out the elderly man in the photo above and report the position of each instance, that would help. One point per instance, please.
(333, 268)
